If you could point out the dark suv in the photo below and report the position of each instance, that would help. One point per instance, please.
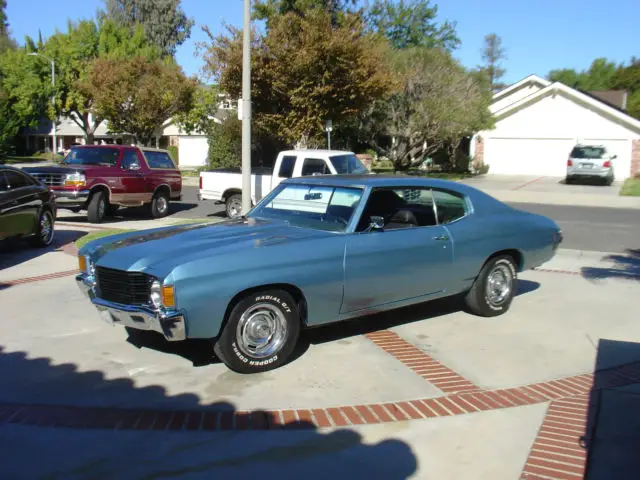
(101, 178)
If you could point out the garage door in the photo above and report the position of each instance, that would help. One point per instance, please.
(193, 151)
(527, 156)
(621, 148)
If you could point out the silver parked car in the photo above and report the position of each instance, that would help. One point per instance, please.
(590, 162)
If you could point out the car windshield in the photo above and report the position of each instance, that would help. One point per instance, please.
(345, 164)
(92, 156)
(311, 206)
(587, 152)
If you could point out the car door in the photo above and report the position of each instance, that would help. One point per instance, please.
(410, 258)
(19, 204)
(134, 184)
(315, 166)
(161, 171)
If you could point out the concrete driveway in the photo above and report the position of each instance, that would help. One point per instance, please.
(423, 392)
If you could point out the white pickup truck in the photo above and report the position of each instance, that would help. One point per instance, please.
(224, 185)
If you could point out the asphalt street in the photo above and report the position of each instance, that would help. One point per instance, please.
(585, 228)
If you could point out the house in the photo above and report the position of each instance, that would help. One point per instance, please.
(537, 122)
(193, 147)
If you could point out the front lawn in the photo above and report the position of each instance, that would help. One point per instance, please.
(631, 187)
(423, 173)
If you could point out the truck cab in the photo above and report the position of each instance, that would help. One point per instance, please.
(225, 185)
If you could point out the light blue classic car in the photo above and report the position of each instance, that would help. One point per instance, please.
(316, 250)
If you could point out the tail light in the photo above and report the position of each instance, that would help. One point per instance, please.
(569, 163)
(607, 164)
(200, 182)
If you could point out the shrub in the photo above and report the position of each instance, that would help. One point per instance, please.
(173, 151)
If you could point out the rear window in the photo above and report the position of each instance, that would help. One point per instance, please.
(588, 152)
(158, 159)
(286, 167)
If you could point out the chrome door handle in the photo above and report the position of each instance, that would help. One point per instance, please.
(441, 237)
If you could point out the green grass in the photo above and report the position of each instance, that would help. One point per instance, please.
(82, 241)
(422, 173)
(36, 158)
(631, 187)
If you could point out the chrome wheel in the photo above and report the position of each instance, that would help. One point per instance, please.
(46, 228)
(261, 331)
(162, 205)
(499, 284)
(102, 208)
(234, 209)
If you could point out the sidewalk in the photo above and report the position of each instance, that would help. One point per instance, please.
(575, 199)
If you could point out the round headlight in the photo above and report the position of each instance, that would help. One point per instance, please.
(156, 294)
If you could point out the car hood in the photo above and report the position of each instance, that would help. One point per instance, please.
(45, 169)
(158, 250)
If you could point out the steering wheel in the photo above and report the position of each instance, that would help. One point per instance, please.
(328, 217)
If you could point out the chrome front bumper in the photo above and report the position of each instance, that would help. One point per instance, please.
(171, 324)
(71, 197)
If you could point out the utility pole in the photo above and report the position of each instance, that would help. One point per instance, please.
(328, 126)
(53, 102)
(246, 109)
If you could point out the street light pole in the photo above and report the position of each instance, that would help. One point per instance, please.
(53, 101)
(246, 109)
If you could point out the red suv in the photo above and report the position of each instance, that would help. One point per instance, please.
(101, 178)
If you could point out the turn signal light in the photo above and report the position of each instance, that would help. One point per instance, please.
(82, 263)
(569, 163)
(168, 296)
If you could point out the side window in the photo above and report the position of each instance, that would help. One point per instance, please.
(314, 165)
(129, 158)
(405, 207)
(160, 160)
(286, 166)
(450, 206)
(17, 180)
(4, 186)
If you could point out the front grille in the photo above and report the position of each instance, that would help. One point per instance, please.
(119, 286)
(50, 179)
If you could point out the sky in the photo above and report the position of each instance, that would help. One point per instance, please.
(538, 36)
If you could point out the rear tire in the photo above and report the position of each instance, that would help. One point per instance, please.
(160, 204)
(97, 208)
(494, 288)
(261, 332)
(568, 180)
(234, 206)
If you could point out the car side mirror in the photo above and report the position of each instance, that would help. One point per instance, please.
(375, 223)
(613, 157)
(134, 166)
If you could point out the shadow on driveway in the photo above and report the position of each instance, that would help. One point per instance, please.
(15, 251)
(612, 434)
(626, 266)
(161, 441)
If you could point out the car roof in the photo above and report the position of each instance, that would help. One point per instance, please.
(316, 151)
(372, 180)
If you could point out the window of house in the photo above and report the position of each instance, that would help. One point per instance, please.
(286, 166)
(450, 206)
(315, 166)
(158, 159)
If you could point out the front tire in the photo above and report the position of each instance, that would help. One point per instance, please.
(97, 208)
(494, 288)
(261, 332)
(45, 230)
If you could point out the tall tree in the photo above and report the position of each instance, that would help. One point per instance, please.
(269, 9)
(599, 76)
(305, 70)
(437, 104)
(628, 78)
(137, 96)
(493, 53)
(74, 53)
(411, 23)
(164, 22)
(6, 42)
